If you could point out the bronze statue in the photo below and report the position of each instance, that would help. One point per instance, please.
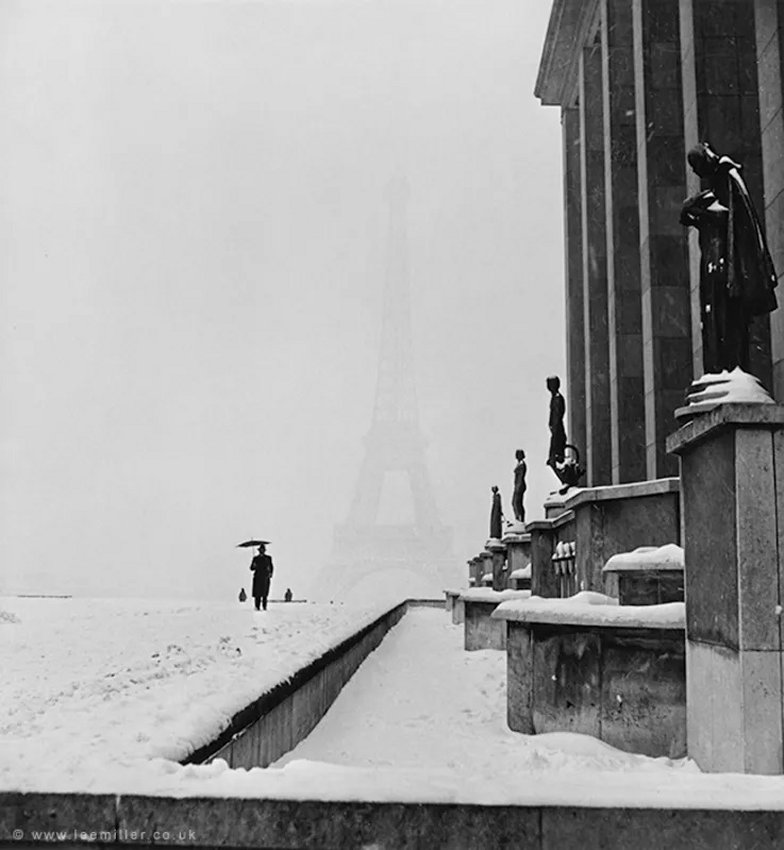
(563, 458)
(557, 412)
(737, 277)
(496, 515)
(519, 486)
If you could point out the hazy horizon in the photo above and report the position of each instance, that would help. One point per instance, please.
(194, 221)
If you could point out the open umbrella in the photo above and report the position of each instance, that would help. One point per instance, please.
(249, 543)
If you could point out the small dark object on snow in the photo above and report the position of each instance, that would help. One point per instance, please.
(243, 595)
(288, 595)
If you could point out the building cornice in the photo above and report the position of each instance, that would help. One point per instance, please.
(567, 31)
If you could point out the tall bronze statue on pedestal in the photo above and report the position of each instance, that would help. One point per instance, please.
(737, 277)
(496, 515)
(518, 493)
(563, 458)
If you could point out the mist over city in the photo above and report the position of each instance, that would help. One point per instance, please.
(195, 221)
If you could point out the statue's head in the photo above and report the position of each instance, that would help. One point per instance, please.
(520, 454)
(553, 383)
(703, 159)
(494, 489)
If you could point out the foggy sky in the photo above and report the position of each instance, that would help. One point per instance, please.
(192, 249)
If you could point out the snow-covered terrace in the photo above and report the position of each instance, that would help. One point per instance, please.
(108, 696)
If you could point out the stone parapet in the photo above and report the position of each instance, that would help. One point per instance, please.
(618, 518)
(547, 822)
(481, 630)
(621, 682)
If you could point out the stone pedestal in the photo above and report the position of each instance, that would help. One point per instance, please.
(498, 553)
(732, 497)
(458, 612)
(518, 557)
(486, 558)
(473, 578)
(650, 575)
(555, 505)
(481, 631)
(618, 518)
(545, 535)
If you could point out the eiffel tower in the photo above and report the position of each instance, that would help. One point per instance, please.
(394, 448)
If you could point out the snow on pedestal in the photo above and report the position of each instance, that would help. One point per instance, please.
(668, 557)
(588, 608)
(711, 390)
(647, 575)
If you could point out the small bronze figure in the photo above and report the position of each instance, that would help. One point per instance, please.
(518, 493)
(737, 277)
(563, 458)
(496, 515)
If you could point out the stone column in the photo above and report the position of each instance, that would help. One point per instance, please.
(598, 456)
(722, 104)
(498, 553)
(769, 31)
(575, 311)
(732, 466)
(661, 180)
(627, 397)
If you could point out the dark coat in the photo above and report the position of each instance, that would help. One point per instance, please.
(262, 573)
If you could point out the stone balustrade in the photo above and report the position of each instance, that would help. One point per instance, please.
(615, 672)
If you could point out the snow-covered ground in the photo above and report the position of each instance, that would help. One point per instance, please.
(104, 696)
(95, 689)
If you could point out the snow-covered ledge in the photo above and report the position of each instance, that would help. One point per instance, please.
(487, 594)
(631, 490)
(647, 559)
(592, 609)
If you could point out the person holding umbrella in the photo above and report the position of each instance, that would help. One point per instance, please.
(262, 569)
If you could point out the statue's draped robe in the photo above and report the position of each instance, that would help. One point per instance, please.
(737, 278)
(496, 517)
